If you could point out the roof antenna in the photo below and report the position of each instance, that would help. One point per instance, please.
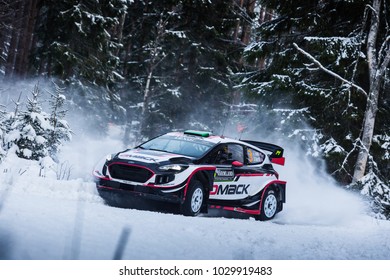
(228, 117)
(240, 129)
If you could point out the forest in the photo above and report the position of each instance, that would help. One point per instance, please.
(314, 72)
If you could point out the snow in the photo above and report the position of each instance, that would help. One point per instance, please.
(27, 153)
(178, 34)
(175, 92)
(331, 146)
(45, 218)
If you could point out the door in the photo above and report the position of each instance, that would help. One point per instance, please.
(229, 159)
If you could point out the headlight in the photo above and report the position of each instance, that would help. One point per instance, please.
(173, 167)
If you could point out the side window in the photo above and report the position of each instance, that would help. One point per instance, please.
(236, 152)
(226, 154)
(254, 157)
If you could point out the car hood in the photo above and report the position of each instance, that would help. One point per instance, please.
(152, 156)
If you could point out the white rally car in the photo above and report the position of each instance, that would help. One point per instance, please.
(196, 170)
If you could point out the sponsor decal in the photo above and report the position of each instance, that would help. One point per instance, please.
(140, 157)
(230, 189)
(224, 175)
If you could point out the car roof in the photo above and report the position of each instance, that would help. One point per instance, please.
(269, 149)
(209, 137)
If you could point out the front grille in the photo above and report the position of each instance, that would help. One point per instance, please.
(130, 173)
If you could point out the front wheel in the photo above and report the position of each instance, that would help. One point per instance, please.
(269, 205)
(194, 199)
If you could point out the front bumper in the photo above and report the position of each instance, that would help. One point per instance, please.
(109, 188)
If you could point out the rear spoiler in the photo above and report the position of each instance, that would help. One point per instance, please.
(276, 155)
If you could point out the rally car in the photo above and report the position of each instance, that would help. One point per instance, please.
(196, 170)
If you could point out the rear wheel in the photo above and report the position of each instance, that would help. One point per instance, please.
(194, 199)
(269, 205)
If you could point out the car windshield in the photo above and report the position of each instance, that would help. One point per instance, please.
(182, 145)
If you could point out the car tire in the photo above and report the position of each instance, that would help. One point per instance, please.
(194, 199)
(269, 205)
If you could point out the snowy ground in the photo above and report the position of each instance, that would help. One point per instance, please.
(46, 218)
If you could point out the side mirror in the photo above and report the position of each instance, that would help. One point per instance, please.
(237, 163)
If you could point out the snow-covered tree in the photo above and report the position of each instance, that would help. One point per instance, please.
(79, 42)
(26, 130)
(333, 58)
(59, 131)
(176, 54)
(34, 134)
(378, 58)
(103, 52)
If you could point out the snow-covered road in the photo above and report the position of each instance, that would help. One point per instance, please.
(45, 218)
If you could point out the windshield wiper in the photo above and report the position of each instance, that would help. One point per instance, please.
(159, 150)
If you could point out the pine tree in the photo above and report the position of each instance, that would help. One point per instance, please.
(78, 42)
(59, 131)
(32, 133)
(27, 129)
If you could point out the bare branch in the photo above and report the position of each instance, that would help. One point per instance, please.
(345, 161)
(386, 59)
(368, 6)
(323, 68)
(386, 62)
(384, 45)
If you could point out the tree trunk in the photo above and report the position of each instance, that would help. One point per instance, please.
(237, 29)
(5, 20)
(156, 57)
(45, 60)
(27, 30)
(15, 25)
(246, 25)
(145, 103)
(367, 134)
(265, 15)
(377, 64)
